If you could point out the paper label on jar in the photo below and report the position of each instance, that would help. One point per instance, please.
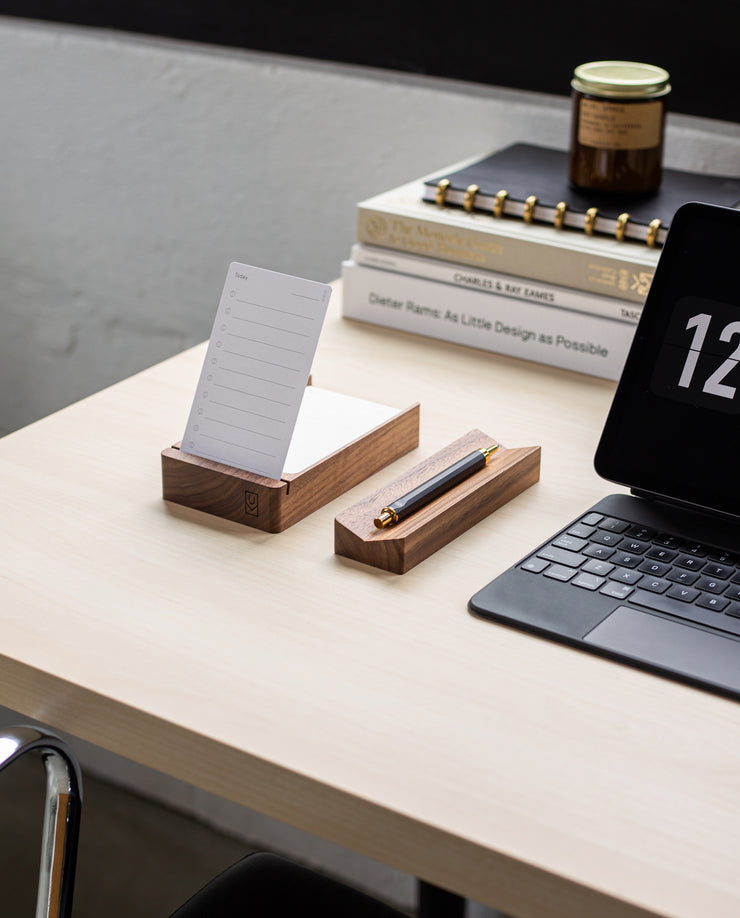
(619, 125)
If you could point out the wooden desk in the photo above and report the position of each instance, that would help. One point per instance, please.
(366, 707)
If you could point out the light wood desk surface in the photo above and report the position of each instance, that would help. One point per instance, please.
(369, 708)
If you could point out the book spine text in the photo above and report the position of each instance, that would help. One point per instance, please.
(545, 334)
(519, 288)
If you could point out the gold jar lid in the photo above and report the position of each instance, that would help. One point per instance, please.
(621, 79)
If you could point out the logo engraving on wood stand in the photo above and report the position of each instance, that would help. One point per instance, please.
(251, 503)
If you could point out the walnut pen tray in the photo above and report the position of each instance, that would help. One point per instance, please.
(401, 547)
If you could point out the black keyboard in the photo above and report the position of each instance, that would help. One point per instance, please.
(641, 566)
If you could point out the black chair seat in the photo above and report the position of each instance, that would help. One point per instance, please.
(262, 885)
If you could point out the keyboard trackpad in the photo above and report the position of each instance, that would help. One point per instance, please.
(670, 645)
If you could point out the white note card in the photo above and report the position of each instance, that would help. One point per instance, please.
(256, 369)
(329, 421)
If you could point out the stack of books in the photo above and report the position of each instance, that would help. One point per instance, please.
(501, 254)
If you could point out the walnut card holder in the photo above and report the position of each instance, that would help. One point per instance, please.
(274, 505)
(401, 547)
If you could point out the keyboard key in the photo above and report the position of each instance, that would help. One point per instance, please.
(571, 543)
(592, 519)
(600, 568)
(561, 556)
(656, 568)
(677, 575)
(625, 559)
(625, 575)
(723, 557)
(661, 554)
(616, 590)
(667, 541)
(682, 593)
(655, 585)
(599, 551)
(716, 603)
(718, 571)
(733, 593)
(635, 546)
(641, 532)
(606, 538)
(695, 548)
(587, 581)
(690, 562)
(581, 532)
(535, 565)
(559, 572)
(613, 525)
(710, 585)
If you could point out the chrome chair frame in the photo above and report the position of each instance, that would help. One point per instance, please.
(62, 808)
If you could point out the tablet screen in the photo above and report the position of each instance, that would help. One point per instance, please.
(674, 425)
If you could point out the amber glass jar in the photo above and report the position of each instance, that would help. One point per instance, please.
(618, 124)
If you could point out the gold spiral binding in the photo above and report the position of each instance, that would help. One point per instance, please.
(529, 206)
(498, 203)
(621, 227)
(652, 233)
(441, 193)
(470, 192)
(590, 220)
(559, 217)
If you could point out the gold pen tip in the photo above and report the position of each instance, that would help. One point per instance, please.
(386, 518)
(489, 450)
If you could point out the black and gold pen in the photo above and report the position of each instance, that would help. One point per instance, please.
(440, 483)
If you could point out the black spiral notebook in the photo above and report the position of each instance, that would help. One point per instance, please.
(531, 182)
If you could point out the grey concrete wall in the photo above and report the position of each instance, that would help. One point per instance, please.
(132, 171)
